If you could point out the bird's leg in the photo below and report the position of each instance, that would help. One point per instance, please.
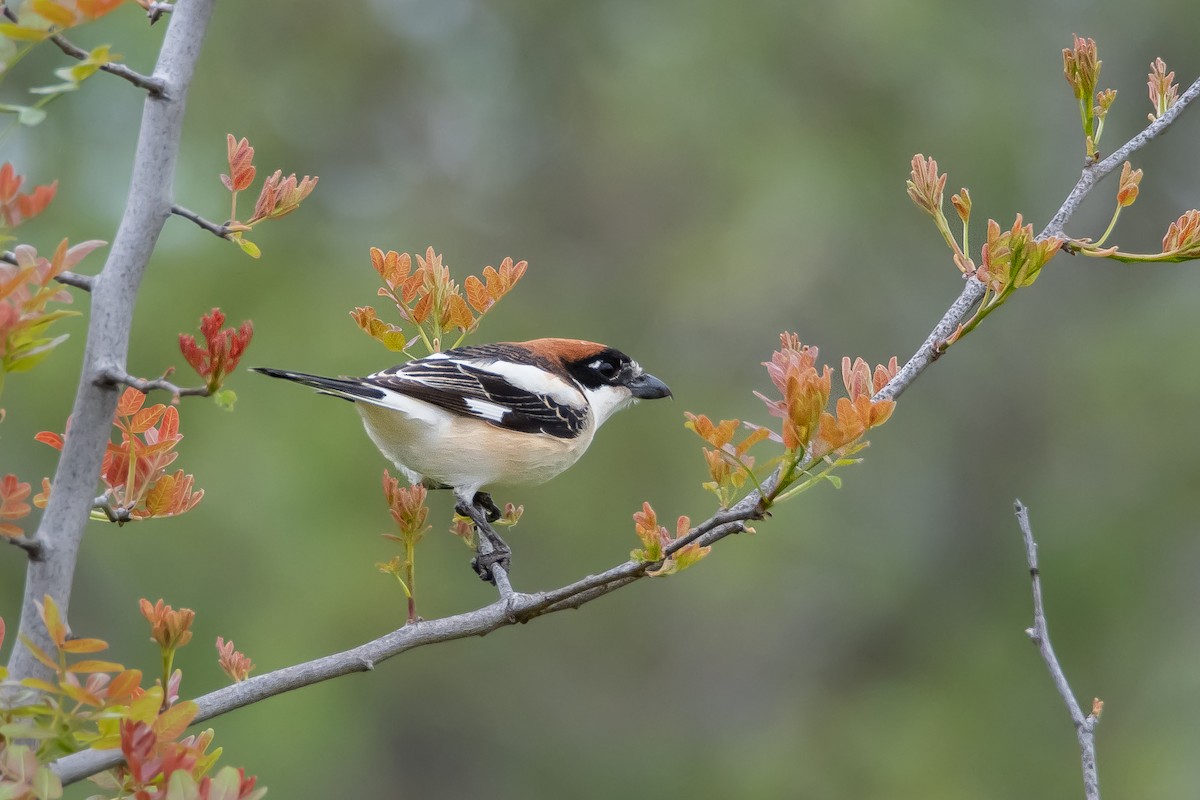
(484, 500)
(492, 550)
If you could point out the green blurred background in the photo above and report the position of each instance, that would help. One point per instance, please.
(686, 179)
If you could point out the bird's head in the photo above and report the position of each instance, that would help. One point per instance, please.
(610, 379)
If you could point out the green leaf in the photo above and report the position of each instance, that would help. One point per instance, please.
(225, 398)
(30, 355)
(23, 730)
(46, 785)
(26, 115)
(835, 480)
(248, 247)
(54, 89)
(30, 116)
(182, 786)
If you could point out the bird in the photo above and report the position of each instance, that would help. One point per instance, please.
(504, 413)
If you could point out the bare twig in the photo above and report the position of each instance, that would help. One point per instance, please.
(146, 210)
(221, 231)
(119, 377)
(1039, 634)
(154, 11)
(84, 282)
(156, 87)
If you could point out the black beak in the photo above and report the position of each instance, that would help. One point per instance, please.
(648, 387)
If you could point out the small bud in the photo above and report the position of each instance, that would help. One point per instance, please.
(1128, 187)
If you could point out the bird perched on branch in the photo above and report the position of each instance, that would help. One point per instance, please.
(513, 412)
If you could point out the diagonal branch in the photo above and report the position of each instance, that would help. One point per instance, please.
(519, 607)
(1039, 634)
(155, 87)
(221, 231)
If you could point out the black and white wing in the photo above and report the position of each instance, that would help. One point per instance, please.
(477, 382)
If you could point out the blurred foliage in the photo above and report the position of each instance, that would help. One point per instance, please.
(685, 180)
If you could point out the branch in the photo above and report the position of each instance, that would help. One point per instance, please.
(1039, 634)
(146, 210)
(32, 547)
(221, 231)
(520, 607)
(66, 278)
(516, 608)
(155, 86)
(119, 377)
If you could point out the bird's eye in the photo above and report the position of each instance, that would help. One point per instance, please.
(605, 369)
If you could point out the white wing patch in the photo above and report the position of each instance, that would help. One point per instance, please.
(492, 412)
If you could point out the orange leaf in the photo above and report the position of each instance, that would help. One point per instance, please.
(458, 315)
(84, 646)
(122, 686)
(94, 9)
(95, 666)
(48, 610)
(146, 418)
(477, 295)
(175, 720)
(131, 401)
(54, 13)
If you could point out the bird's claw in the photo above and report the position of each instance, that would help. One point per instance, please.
(483, 563)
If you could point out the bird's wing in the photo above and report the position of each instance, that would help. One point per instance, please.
(516, 397)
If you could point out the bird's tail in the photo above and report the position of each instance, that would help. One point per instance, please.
(345, 388)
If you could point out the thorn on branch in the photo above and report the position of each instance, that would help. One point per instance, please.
(116, 377)
(221, 231)
(156, 87)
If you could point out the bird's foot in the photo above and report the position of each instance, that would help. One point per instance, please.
(484, 500)
(484, 562)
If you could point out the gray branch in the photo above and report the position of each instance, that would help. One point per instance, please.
(154, 85)
(518, 607)
(1039, 634)
(113, 293)
(221, 231)
(119, 377)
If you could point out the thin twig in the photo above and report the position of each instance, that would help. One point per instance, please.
(117, 377)
(66, 278)
(1039, 634)
(155, 11)
(221, 231)
(75, 279)
(156, 87)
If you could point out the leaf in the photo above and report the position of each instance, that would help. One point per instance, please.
(46, 784)
(182, 786)
(248, 247)
(23, 33)
(53, 13)
(30, 116)
(175, 720)
(48, 610)
(84, 646)
(225, 398)
(95, 666)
